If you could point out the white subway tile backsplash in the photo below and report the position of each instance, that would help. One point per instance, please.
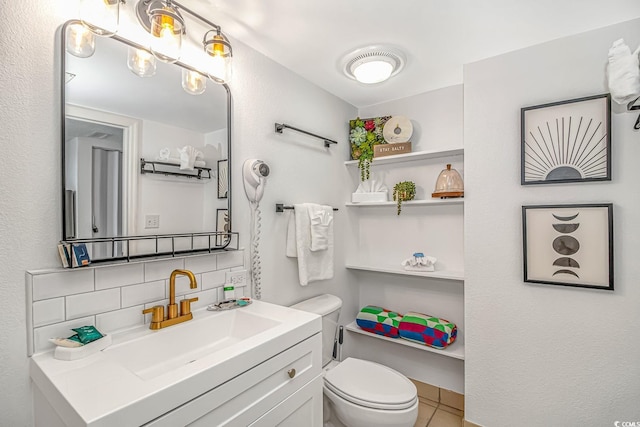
(230, 259)
(120, 319)
(160, 270)
(63, 330)
(201, 264)
(92, 303)
(68, 282)
(183, 285)
(220, 294)
(119, 275)
(213, 279)
(140, 294)
(205, 298)
(48, 311)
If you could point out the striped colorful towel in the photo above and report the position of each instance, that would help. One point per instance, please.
(379, 320)
(428, 330)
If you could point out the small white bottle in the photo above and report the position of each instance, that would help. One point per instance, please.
(229, 291)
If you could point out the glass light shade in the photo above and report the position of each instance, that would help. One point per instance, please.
(166, 31)
(100, 16)
(219, 50)
(141, 62)
(373, 71)
(80, 41)
(193, 82)
(449, 184)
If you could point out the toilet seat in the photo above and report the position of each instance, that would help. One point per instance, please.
(371, 385)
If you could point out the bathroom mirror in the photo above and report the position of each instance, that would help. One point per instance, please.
(118, 130)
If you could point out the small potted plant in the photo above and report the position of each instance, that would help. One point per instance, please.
(403, 191)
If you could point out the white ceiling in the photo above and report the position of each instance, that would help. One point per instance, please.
(438, 37)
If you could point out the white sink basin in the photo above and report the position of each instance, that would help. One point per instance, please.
(167, 349)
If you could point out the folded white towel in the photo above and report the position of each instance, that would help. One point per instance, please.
(165, 153)
(321, 218)
(312, 266)
(175, 161)
(188, 155)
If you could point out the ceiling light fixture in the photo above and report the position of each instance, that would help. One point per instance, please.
(373, 64)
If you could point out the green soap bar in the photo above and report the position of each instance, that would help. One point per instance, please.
(75, 338)
(241, 303)
(87, 334)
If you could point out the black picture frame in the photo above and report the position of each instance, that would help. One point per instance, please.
(566, 141)
(569, 245)
(222, 225)
(223, 179)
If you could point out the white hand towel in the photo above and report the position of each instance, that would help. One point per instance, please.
(291, 249)
(188, 155)
(164, 154)
(312, 266)
(321, 218)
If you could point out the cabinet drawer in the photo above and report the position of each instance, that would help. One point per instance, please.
(242, 400)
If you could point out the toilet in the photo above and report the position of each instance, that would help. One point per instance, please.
(359, 393)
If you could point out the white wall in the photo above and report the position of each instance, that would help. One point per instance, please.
(541, 355)
(30, 196)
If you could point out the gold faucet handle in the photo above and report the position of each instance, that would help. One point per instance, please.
(185, 305)
(157, 313)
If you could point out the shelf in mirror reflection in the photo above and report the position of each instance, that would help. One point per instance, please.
(427, 202)
(392, 269)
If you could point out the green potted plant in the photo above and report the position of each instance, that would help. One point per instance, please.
(403, 191)
(363, 135)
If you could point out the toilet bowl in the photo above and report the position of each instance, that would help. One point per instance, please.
(359, 393)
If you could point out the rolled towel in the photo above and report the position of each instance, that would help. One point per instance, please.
(427, 330)
(379, 321)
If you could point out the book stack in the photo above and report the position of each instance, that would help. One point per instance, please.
(74, 255)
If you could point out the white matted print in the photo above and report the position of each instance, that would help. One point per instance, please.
(570, 245)
(568, 141)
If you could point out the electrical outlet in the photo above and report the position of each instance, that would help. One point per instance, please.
(236, 278)
(152, 221)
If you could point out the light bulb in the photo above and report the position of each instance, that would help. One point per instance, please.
(80, 41)
(166, 30)
(373, 72)
(141, 62)
(100, 16)
(219, 66)
(193, 82)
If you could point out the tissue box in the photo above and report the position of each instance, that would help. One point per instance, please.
(377, 196)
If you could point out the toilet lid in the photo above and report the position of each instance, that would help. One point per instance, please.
(371, 385)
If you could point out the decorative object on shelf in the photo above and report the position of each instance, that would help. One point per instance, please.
(449, 184)
(428, 330)
(364, 134)
(370, 190)
(623, 73)
(419, 262)
(397, 129)
(567, 141)
(379, 321)
(569, 245)
(404, 191)
(383, 150)
(223, 181)
(222, 225)
(188, 156)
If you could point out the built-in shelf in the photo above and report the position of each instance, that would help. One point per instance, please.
(418, 155)
(432, 202)
(390, 269)
(455, 350)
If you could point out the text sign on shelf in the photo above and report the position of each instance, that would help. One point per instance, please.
(382, 150)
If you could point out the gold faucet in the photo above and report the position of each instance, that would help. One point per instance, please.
(158, 321)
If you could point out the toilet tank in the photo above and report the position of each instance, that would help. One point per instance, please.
(328, 306)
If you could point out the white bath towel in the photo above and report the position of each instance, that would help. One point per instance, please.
(188, 155)
(312, 266)
(176, 161)
(321, 217)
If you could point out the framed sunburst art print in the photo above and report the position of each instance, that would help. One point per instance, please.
(567, 141)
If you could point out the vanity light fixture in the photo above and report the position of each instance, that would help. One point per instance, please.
(219, 49)
(100, 16)
(193, 82)
(80, 41)
(141, 62)
(373, 64)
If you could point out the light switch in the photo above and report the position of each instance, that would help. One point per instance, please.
(152, 221)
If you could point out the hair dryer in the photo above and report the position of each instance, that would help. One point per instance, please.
(254, 172)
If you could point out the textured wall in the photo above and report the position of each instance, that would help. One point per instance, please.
(540, 355)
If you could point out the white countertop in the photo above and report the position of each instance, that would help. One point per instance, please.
(99, 391)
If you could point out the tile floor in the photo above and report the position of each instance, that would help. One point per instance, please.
(439, 407)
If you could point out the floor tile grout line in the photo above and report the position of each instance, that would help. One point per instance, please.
(433, 415)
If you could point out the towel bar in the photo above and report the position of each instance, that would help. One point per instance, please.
(280, 207)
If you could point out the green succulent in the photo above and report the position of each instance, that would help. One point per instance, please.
(403, 191)
(358, 135)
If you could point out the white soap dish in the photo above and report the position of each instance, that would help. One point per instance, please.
(74, 353)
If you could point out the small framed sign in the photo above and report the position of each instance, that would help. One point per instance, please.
(567, 141)
(569, 245)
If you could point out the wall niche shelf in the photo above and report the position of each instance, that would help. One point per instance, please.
(427, 202)
(390, 269)
(171, 169)
(455, 350)
(417, 155)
